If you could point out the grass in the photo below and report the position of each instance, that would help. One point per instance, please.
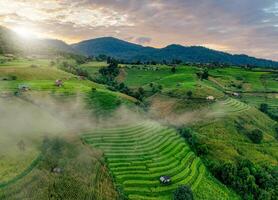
(227, 142)
(179, 83)
(12, 164)
(251, 81)
(138, 155)
(33, 164)
(257, 99)
(93, 67)
(141, 77)
(84, 177)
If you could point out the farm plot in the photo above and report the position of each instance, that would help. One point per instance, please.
(235, 106)
(138, 155)
(229, 106)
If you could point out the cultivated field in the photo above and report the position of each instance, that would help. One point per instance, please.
(137, 155)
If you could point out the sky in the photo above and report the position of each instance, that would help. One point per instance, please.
(235, 26)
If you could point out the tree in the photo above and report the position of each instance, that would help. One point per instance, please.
(173, 69)
(203, 74)
(189, 94)
(202, 149)
(264, 107)
(141, 91)
(183, 193)
(256, 136)
(276, 132)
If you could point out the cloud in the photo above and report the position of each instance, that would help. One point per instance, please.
(143, 40)
(237, 26)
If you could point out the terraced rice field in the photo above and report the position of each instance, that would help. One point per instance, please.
(233, 106)
(138, 155)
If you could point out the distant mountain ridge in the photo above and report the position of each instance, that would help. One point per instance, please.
(133, 52)
(10, 42)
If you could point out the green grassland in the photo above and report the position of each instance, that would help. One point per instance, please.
(84, 176)
(248, 81)
(227, 142)
(178, 83)
(93, 67)
(139, 154)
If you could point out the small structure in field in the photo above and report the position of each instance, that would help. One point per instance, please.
(57, 170)
(236, 94)
(210, 98)
(59, 83)
(23, 87)
(165, 179)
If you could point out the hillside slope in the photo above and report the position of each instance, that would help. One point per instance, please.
(11, 43)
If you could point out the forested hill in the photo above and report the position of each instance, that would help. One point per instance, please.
(132, 52)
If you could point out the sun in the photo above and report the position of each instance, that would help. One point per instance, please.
(24, 32)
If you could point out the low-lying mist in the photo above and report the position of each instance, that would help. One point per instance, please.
(167, 113)
(34, 116)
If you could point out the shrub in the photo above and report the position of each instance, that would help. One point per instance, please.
(173, 70)
(185, 133)
(199, 147)
(203, 74)
(256, 136)
(183, 193)
(264, 107)
(189, 94)
(276, 132)
(202, 149)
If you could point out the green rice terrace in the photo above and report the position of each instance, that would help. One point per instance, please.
(139, 155)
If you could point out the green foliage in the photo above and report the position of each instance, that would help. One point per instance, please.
(110, 72)
(264, 107)
(103, 102)
(183, 193)
(248, 179)
(199, 148)
(189, 94)
(256, 136)
(276, 132)
(173, 69)
(203, 74)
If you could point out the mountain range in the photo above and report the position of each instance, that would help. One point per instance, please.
(10, 42)
(195, 54)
